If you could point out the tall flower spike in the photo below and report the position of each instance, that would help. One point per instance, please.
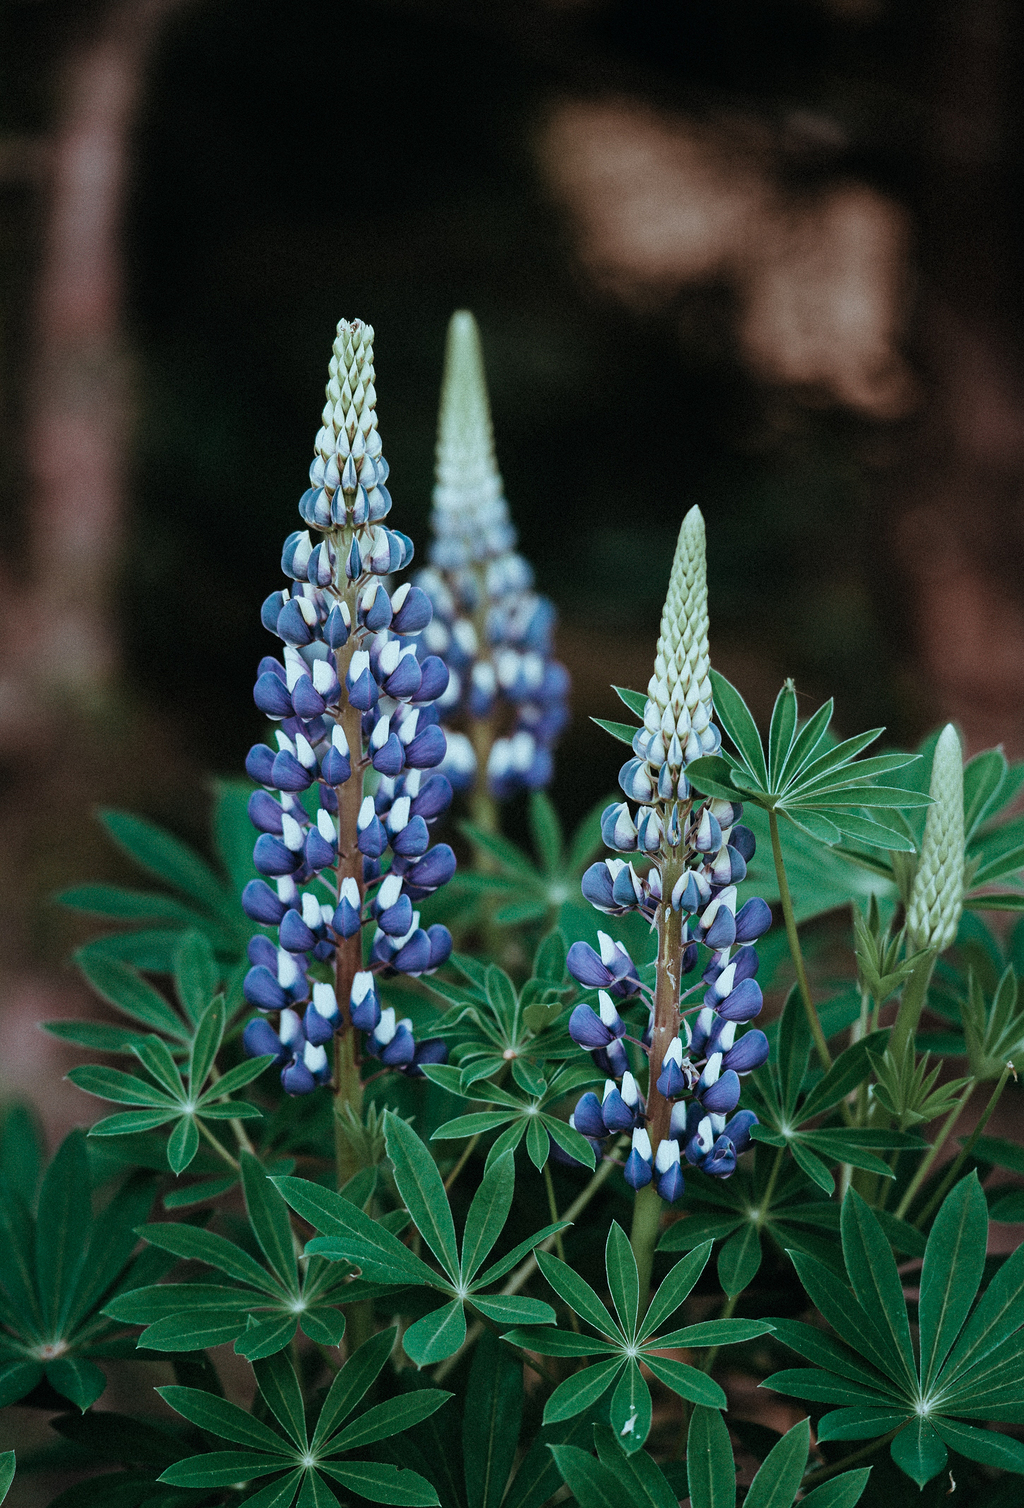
(698, 852)
(349, 692)
(937, 895)
(505, 701)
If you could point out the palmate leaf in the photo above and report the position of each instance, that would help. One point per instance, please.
(966, 1359)
(817, 785)
(630, 1403)
(291, 1451)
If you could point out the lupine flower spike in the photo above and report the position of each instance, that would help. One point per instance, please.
(937, 896)
(505, 702)
(352, 697)
(698, 855)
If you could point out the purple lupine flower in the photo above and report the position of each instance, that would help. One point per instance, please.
(349, 690)
(704, 848)
(492, 630)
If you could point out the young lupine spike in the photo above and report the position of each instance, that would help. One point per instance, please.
(505, 676)
(937, 895)
(343, 695)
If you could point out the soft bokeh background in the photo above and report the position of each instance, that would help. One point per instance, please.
(759, 255)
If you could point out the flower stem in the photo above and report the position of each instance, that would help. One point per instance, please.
(966, 1150)
(824, 1472)
(933, 1151)
(728, 1310)
(217, 1146)
(794, 943)
(647, 1212)
(467, 1153)
(912, 1001)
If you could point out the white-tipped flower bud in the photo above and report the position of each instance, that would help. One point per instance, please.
(937, 896)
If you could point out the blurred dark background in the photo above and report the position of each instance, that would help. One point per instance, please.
(759, 255)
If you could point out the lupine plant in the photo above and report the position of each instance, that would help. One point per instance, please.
(506, 1232)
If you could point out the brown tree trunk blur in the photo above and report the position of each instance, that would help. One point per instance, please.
(961, 537)
(58, 640)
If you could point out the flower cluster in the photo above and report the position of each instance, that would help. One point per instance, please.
(698, 851)
(352, 698)
(494, 631)
(701, 1069)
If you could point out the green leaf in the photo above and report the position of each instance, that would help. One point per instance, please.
(155, 1055)
(512, 1259)
(277, 1494)
(235, 1078)
(581, 1391)
(126, 905)
(643, 1482)
(436, 1336)
(694, 1230)
(7, 1464)
(570, 1140)
(739, 1259)
(849, 1068)
(122, 987)
(823, 1387)
(859, 1423)
(987, 1446)
(872, 1269)
(513, 1309)
(806, 744)
(778, 1478)
(206, 1042)
(18, 1378)
(710, 1473)
(266, 1337)
(268, 1216)
(537, 1145)
(276, 1379)
(194, 1332)
(953, 1265)
(72, 1377)
(323, 1324)
(392, 1417)
(219, 1417)
(491, 1421)
(111, 1245)
(733, 715)
(122, 1088)
(591, 1482)
(351, 1383)
(781, 734)
(130, 1122)
(182, 1145)
(810, 1342)
(919, 1451)
(675, 1287)
(623, 1278)
(422, 1190)
(999, 1314)
(636, 701)
(720, 1332)
(685, 1380)
(844, 1491)
(546, 831)
(328, 1211)
(841, 1310)
(197, 1245)
(549, 964)
(95, 1035)
(169, 860)
(383, 1484)
(560, 1343)
(630, 1409)
(222, 1468)
(196, 976)
(578, 1294)
(63, 1225)
(622, 731)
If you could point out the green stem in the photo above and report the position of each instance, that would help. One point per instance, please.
(549, 1184)
(934, 1150)
(915, 993)
(824, 1472)
(728, 1309)
(794, 943)
(467, 1153)
(950, 1178)
(217, 1146)
(647, 1212)
(240, 1133)
(486, 1323)
(524, 1273)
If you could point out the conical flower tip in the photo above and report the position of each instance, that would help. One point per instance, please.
(351, 395)
(936, 899)
(681, 663)
(470, 520)
(464, 421)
